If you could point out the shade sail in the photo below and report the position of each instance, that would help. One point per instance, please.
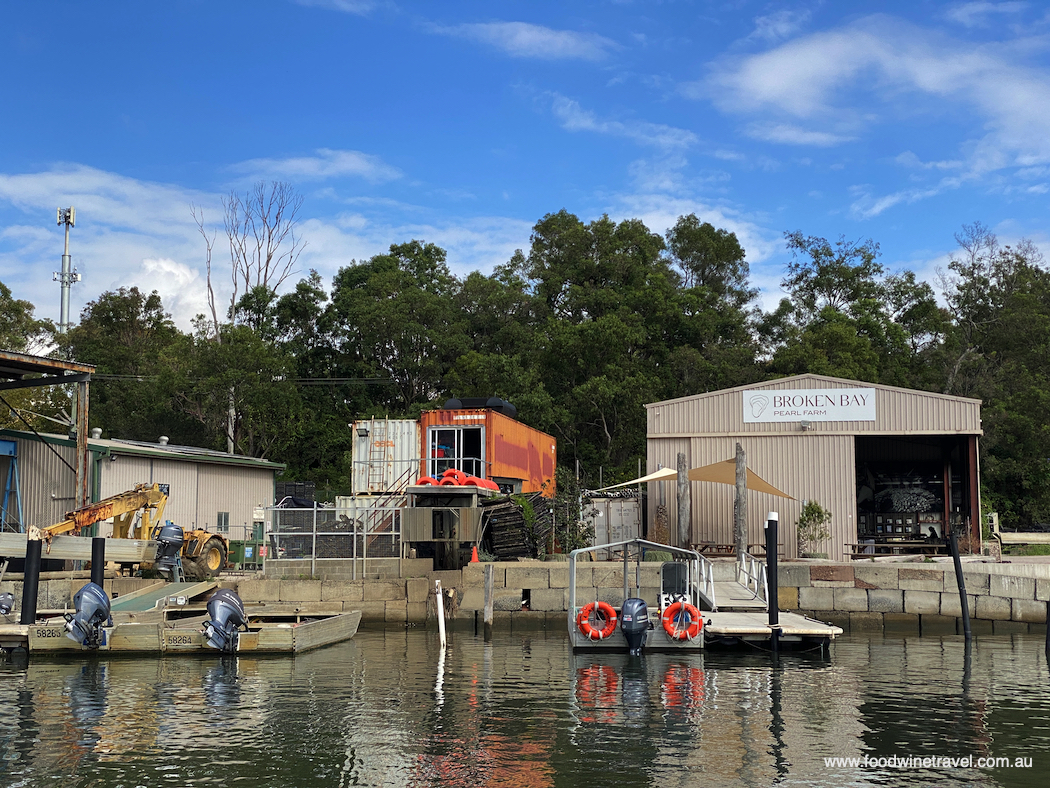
(725, 473)
(661, 475)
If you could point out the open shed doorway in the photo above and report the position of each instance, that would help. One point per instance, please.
(910, 488)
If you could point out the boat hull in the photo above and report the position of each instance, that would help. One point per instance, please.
(273, 635)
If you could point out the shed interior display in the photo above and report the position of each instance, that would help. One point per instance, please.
(910, 487)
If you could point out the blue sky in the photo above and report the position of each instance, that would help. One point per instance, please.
(463, 123)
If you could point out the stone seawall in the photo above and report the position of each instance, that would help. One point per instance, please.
(1002, 598)
(862, 596)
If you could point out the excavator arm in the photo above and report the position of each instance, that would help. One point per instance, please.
(147, 498)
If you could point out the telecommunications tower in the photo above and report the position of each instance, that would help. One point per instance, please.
(69, 275)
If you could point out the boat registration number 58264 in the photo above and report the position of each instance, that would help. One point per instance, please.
(180, 640)
(48, 633)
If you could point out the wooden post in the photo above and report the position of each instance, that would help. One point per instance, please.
(489, 582)
(740, 507)
(684, 513)
(81, 493)
(440, 597)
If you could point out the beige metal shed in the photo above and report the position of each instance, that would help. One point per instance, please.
(866, 452)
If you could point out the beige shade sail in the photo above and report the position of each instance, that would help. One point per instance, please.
(725, 473)
(661, 475)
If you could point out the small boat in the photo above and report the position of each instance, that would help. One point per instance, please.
(179, 624)
(672, 622)
(687, 610)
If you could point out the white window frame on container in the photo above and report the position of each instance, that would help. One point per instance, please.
(222, 523)
(461, 447)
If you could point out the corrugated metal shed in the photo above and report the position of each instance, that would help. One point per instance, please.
(202, 482)
(815, 463)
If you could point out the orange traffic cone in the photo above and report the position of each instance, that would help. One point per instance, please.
(474, 555)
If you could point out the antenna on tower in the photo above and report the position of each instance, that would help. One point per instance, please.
(68, 217)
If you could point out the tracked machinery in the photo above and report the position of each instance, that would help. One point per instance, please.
(139, 514)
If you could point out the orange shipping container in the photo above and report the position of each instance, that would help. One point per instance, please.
(487, 444)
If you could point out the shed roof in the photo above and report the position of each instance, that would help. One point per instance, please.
(808, 378)
(15, 366)
(157, 450)
(897, 411)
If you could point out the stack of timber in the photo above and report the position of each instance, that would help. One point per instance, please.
(518, 526)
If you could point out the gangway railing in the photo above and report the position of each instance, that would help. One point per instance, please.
(703, 577)
(751, 574)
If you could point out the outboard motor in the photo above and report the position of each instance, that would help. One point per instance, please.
(227, 618)
(7, 603)
(634, 623)
(92, 613)
(168, 562)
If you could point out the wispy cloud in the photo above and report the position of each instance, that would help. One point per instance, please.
(976, 14)
(790, 134)
(139, 233)
(844, 82)
(359, 7)
(778, 25)
(521, 39)
(326, 164)
(574, 118)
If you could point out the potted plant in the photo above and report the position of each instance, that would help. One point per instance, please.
(812, 527)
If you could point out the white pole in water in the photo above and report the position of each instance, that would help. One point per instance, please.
(440, 612)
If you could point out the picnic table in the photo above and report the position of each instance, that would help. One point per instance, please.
(898, 547)
(718, 549)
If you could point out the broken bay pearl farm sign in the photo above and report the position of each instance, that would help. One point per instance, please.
(764, 405)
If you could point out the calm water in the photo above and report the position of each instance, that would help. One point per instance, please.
(523, 711)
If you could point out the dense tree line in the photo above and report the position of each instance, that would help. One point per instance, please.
(579, 331)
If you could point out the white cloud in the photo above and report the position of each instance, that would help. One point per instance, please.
(132, 233)
(976, 14)
(359, 7)
(326, 164)
(909, 159)
(842, 83)
(790, 134)
(574, 118)
(128, 233)
(778, 25)
(521, 39)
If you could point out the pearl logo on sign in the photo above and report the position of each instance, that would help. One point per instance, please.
(810, 405)
(758, 404)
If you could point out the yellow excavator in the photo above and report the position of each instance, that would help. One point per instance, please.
(203, 553)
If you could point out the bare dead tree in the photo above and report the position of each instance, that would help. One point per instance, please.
(264, 245)
(209, 245)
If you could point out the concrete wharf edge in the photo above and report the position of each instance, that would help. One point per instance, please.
(913, 597)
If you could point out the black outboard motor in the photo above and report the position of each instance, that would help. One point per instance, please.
(227, 618)
(92, 606)
(7, 603)
(168, 562)
(634, 623)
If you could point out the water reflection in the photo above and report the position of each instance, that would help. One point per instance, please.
(522, 710)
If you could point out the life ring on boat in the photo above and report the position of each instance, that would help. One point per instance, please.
(424, 480)
(600, 610)
(677, 629)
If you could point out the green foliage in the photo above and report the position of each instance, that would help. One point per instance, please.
(812, 525)
(658, 556)
(580, 330)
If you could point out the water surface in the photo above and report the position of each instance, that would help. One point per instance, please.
(385, 710)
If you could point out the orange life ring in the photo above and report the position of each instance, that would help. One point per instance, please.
(676, 629)
(456, 473)
(600, 610)
(448, 481)
(424, 480)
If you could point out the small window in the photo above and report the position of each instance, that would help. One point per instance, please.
(222, 523)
